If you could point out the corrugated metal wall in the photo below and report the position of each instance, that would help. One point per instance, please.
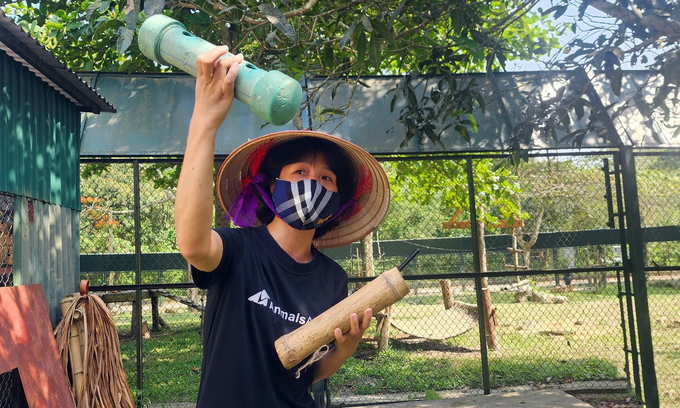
(46, 249)
(39, 138)
(40, 165)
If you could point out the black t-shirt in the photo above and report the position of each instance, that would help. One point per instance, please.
(257, 294)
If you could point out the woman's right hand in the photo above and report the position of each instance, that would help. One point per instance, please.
(214, 87)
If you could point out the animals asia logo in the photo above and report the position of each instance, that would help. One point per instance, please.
(262, 298)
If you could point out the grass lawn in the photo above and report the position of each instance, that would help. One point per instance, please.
(580, 340)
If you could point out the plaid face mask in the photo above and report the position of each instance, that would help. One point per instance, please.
(304, 204)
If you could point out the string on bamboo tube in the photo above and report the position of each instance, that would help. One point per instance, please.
(318, 355)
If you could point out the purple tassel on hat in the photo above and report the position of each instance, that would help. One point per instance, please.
(243, 210)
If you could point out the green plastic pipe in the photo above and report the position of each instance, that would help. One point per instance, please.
(271, 95)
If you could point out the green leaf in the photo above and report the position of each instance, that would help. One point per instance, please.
(94, 6)
(131, 14)
(105, 26)
(514, 158)
(433, 137)
(328, 56)
(383, 31)
(348, 34)
(457, 20)
(334, 89)
(276, 17)
(361, 48)
(125, 36)
(472, 123)
(524, 155)
(396, 12)
(412, 99)
(374, 53)
(480, 100)
(578, 140)
(332, 111)
(394, 100)
(566, 121)
(366, 23)
(579, 106)
(463, 132)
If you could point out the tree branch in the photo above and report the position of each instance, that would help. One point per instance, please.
(655, 22)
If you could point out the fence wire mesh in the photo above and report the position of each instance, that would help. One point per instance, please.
(6, 389)
(551, 255)
(658, 180)
(6, 239)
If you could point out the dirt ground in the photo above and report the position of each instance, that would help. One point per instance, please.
(605, 400)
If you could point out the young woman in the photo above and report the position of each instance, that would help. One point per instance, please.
(293, 192)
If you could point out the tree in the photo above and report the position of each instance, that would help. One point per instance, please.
(337, 39)
(107, 221)
(347, 40)
(606, 36)
(444, 184)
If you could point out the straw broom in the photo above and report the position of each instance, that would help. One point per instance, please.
(88, 345)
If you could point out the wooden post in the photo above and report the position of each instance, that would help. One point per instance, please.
(75, 346)
(134, 320)
(384, 341)
(155, 316)
(490, 321)
(447, 295)
(489, 310)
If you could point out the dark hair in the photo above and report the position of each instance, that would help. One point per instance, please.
(298, 150)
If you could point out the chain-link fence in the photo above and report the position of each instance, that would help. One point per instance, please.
(658, 180)
(6, 389)
(6, 239)
(554, 310)
(11, 390)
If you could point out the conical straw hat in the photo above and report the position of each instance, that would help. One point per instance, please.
(373, 204)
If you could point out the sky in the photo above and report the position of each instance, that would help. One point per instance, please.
(593, 18)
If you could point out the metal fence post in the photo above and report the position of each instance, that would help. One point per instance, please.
(627, 293)
(137, 332)
(478, 279)
(637, 267)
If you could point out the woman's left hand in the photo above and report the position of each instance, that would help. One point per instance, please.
(346, 343)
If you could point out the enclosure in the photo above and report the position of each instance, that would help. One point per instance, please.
(549, 265)
(574, 337)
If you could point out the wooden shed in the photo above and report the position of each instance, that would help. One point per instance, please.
(41, 102)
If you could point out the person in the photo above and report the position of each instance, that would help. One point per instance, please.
(293, 193)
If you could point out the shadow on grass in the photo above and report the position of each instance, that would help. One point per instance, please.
(417, 367)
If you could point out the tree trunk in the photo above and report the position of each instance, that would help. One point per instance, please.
(367, 255)
(447, 295)
(384, 341)
(112, 275)
(369, 271)
(489, 310)
(192, 293)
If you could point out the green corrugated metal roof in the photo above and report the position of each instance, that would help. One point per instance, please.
(39, 131)
(27, 51)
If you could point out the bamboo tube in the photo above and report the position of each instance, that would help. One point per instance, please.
(378, 294)
(75, 346)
